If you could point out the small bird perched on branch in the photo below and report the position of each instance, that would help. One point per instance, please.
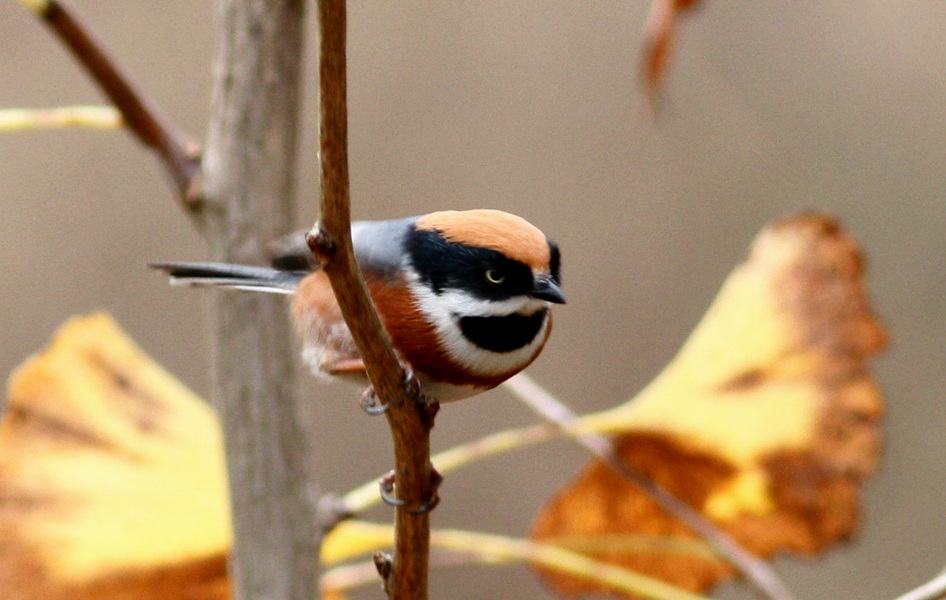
(464, 295)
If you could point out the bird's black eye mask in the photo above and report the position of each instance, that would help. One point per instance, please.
(484, 273)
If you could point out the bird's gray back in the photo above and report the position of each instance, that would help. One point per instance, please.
(379, 245)
(378, 248)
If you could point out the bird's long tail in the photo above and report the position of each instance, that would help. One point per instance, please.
(241, 277)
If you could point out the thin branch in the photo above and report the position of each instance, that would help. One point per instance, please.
(755, 570)
(332, 245)
(61, 117)
(180, 154)
(934, 589)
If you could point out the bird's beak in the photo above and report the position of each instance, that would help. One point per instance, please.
(546, 289)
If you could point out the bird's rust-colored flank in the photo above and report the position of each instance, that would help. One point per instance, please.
(494, 229)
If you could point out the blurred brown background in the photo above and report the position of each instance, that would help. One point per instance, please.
(531, 107)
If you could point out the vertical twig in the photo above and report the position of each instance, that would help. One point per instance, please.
(249, 180)
(332, 244)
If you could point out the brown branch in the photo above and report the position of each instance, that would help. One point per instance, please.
(180, 154)
(752, 568)
(332, 245)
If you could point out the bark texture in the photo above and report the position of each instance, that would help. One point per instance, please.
(249, 179)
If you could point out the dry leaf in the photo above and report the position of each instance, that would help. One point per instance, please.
(766, 420)
(112, 480)
(659, 37)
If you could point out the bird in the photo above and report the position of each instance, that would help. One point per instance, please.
(465, 296)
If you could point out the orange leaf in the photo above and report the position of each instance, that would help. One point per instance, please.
(112, 480)
(766, 420)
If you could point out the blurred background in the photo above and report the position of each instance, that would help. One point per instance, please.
(771, 108)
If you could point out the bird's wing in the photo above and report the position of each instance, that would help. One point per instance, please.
(291, 253)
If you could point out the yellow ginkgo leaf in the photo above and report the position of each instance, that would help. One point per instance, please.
(766, 421)
(112, 481)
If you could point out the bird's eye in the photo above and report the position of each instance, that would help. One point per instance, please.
(494, 276)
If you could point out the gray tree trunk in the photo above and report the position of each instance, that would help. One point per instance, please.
(249, 180)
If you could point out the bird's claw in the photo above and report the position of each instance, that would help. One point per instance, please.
(386, 484)
(369, 403)
(369, 399)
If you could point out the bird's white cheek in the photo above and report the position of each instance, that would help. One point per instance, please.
(456, 302)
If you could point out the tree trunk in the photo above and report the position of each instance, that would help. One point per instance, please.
(249, 180)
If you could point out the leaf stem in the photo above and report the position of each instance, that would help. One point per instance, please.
(489, 548)
(60, 117)
(934, 589)
(366, 495)
(755, 570)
